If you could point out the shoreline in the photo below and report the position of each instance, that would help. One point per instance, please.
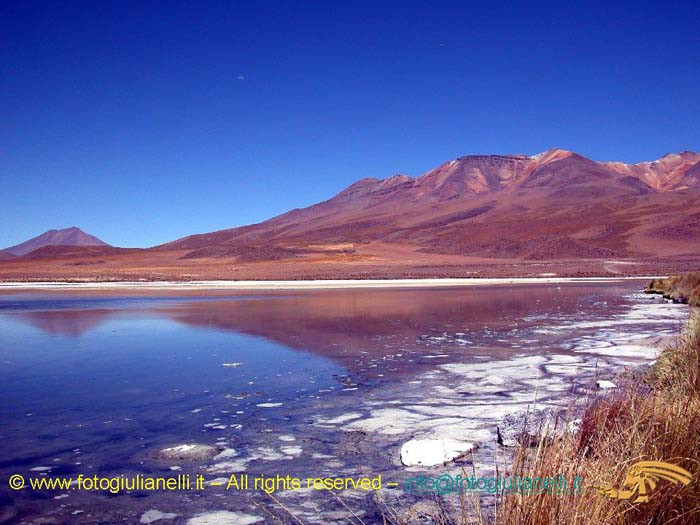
(326, 284)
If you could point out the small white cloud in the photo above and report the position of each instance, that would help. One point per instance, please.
(240, 77)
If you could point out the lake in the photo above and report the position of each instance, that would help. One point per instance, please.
(305, 383)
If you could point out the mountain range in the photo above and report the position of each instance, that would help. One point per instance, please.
(555, 212)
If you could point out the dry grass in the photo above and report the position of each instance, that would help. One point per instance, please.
(683, 288)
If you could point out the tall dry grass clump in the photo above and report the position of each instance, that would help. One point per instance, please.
(655, 419)
(682, 288)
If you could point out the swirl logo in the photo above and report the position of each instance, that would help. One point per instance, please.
(642, 478)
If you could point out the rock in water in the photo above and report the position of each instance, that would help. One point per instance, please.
(605, 385)
(224, 517)
(153, 515)
(527, 427)
(430, 452)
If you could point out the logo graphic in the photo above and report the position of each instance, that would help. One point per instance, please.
(642, 478)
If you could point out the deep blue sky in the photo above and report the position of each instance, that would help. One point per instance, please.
(142, 124)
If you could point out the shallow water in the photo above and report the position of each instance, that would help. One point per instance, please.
(313, 383)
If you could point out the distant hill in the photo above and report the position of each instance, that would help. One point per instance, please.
(67, 237)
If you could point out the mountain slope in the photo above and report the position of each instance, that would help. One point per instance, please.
(66, 237)
(557, 204)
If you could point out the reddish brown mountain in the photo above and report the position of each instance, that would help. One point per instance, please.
(554, 205)
(67, 237)
(480, 215)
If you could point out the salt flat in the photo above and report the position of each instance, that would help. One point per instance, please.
(304, 284)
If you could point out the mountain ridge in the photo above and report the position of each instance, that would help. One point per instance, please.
(555, 174)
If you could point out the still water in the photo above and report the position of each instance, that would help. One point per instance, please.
(314, 383)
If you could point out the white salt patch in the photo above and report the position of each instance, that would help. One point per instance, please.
(521, 367)
(224, 517)
(494, 380)
(431, 452)
(269, 454)
(154, 515)
(341, 419)
(387, 421)
(623, 351)
(227, 453)
(287, 438)
(444, 390)
(188, 451)
(269, 405)
(226, 467)
(292, 451)
(605, 385)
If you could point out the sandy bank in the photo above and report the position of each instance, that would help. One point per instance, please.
(302, 285)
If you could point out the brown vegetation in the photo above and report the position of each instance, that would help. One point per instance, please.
(680, 288)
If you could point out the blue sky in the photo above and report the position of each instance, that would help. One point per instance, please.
(142, 122)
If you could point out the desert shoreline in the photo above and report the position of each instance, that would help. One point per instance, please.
(325, 284)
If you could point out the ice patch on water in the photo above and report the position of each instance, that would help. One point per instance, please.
(344, 418)
(431, 452)
(227, 453)
(292, 451)
(229, 467)
(154, 515)
(647, 352)
(224, 517)
(269, 454)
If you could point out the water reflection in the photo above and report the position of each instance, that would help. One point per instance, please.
(72, 323)
(99, 384)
